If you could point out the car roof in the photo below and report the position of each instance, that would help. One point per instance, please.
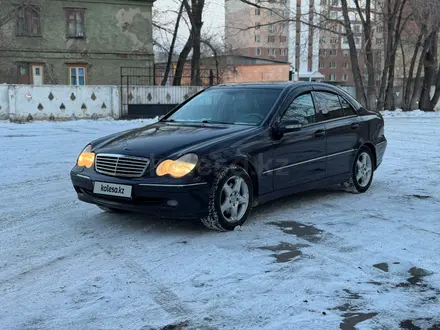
(272, 85)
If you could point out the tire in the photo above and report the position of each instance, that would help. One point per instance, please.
(358, 182)
(222, 216)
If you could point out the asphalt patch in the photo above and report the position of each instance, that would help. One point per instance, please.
(417, 275)
(420, 196)
(288, 251)
(382, 266)
(309, 233)
(352, 319)
(409, 324)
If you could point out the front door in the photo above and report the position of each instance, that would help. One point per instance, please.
(37, 74)
(300, 155)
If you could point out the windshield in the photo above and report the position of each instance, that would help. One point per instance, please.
(229, 106)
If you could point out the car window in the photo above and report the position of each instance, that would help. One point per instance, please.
(247, 106)
(301, 109)
(346, 107)
(328, 106)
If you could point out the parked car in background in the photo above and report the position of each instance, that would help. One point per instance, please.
(232, 147)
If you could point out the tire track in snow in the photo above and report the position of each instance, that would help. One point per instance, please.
(164, 297)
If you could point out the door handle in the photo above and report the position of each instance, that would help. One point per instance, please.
(354, 125)
(319, 133)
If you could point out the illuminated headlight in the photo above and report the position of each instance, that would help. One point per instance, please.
(179, 167)
(86, 157)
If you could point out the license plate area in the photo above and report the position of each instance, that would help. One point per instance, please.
(112, 189)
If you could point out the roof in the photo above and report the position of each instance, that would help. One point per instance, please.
(277, 85)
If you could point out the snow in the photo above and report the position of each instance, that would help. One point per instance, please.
(413, 113)
(67, 265)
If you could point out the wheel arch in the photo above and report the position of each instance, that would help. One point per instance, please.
(250, 169)
(372, 148)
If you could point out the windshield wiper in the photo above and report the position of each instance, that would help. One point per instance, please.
(213, 122)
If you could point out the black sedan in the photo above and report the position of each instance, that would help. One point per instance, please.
(232, 147)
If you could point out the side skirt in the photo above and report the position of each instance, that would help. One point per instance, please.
(304, 187)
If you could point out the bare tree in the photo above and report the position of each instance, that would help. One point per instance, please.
(429, 13)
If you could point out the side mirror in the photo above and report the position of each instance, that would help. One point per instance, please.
(289, 126)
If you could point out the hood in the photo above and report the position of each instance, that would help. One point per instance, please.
(165, 139)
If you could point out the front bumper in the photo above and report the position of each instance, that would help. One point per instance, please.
(147, 196)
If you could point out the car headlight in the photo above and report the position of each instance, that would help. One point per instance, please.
(179, 167)
(86, 157)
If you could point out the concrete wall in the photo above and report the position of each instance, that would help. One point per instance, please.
(4, 102)
(61, 102)
(117, 33)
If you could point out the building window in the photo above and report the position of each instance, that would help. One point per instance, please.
(356, 28)
(270, 12)
(283, 51)
(332, 77)
(335, 3)
(332, 65)
(345, 77)
(333, 52)
(77, 75)
(379, 29)
(258, 51)
(321, 65)
(283, 38)
(322, 40)
(257, 11)
(346, 53)
(270, 38)
(257, 26)
(257, 38)
(378, 41)
(322, 52)
(271, 28)
(346, 65)
(75, 23)
(271, 51)
(29, 21)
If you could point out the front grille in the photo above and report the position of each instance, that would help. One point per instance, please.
(120, 165)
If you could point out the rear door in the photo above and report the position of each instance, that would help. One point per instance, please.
(342, 126)
(300, 155)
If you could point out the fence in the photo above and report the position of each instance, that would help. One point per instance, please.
(64, 102)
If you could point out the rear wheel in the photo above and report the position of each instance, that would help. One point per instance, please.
(230, 199)
(362, 172)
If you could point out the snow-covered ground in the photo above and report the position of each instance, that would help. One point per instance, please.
(318, 260)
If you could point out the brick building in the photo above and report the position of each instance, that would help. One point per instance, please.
(77, 43)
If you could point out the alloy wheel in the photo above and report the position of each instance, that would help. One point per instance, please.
(364, 169)
(234, 199)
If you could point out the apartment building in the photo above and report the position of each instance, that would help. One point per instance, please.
(334, 51)
(258, 32)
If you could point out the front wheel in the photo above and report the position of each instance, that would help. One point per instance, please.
(230, 200)
(362, 172)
